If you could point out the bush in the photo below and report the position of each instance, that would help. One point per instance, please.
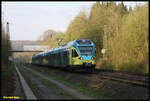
(103, 63)
(133, 67)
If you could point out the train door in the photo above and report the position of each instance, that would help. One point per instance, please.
(74, 56)
(61, 58)
(65, 58)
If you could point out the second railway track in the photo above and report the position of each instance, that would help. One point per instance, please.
(138, 80)
(128, 81)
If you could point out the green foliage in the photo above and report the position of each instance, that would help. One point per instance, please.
(122, 9)
(123, 33)
(77, 27)
(5, 47)
(59, 38)
(51, 38)
(133, 67)
(7, 81)
(130, 46)
(130, 9)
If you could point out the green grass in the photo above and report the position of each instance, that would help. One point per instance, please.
(53, 87)
(77, 85)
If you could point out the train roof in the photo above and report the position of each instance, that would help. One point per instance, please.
(62, 48)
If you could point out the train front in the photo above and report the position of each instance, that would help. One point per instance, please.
(85, 55)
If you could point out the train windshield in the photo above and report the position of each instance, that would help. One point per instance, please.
(83, 42)
(85, 50)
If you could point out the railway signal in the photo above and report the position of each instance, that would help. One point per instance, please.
(103, 51)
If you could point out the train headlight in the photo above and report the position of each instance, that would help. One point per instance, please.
(93, 57)
(80, 58)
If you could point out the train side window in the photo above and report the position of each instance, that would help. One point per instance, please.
(74, 53)
(65, 54)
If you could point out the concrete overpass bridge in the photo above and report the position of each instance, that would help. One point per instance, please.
(31, 48)
(23, 50)
(27, 46)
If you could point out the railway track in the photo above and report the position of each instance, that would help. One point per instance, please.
(138, 80)
(143, 83)
(134, 79)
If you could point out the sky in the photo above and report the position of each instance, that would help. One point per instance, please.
(29, 20)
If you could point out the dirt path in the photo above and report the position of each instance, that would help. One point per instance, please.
(67, 89)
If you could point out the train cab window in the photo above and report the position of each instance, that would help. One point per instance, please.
(83, 42)
(74, 53)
